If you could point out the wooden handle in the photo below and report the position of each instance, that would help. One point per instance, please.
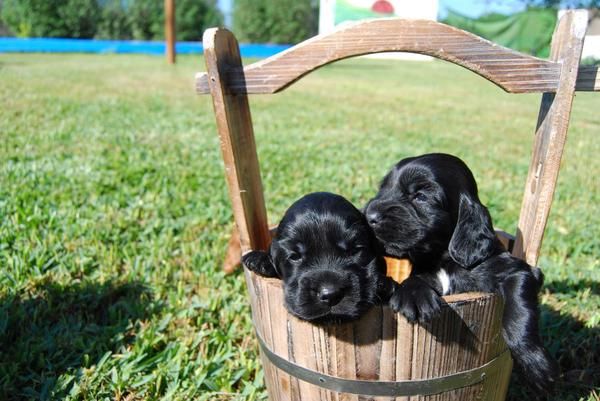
(512, 71)
(234, 124)
(550, 137)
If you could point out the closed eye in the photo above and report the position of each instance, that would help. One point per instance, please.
(297, 252)
(419, 197)
(352, 248)
(357, 248)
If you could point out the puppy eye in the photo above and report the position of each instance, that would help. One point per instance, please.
(296, 252)
(358, 248)
(419, 197)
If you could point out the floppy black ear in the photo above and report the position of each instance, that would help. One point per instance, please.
(260, 262)
(473, 239)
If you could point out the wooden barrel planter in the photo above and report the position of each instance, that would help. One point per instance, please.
(460, 355)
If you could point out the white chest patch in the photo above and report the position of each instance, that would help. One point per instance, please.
(444, 281)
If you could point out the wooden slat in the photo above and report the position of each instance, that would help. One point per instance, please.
(550, 137)
(588, 79)
(344, 356)
(234, 124)
(381, 345)
(512, 71)
(278, 335)
(303, 353)
(389, 342)
(404, 355)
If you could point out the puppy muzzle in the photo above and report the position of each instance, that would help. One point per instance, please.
(325, 294)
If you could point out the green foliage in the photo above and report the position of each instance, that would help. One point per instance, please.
(193, 17)
(282, 21)
(147, 19)
(249, 21)
(51, 18)
(114, 22)
(111, 19)
(79, 17)
(114, 215)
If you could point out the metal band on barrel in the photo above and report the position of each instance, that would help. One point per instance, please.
(387, 388)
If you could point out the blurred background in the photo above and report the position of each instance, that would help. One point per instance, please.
(524, 25)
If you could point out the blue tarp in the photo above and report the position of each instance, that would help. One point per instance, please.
(44, 45)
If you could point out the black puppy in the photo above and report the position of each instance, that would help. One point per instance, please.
(427, 209)
(326, 255)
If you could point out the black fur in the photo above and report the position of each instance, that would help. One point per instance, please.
(427, 209)
(328, 258)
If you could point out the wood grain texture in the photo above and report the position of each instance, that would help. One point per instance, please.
(238, 147)
(550, 137)
(381, 346)
(512, 71)
(588, 80)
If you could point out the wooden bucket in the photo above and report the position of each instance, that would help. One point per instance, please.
(460, 355)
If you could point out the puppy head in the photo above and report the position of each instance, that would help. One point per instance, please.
(428, 205)
(326, 255)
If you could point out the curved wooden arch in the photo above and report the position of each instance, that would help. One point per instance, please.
(510, 70)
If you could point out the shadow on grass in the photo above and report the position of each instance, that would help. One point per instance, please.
(52, 329)
(577, 350)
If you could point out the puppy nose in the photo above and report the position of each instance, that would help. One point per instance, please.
(373, 218)
(330, 294)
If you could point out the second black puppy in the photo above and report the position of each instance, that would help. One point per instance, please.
(326, 255)
(427, 209)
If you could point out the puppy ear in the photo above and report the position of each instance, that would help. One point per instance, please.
(260, 262)
(473, 238)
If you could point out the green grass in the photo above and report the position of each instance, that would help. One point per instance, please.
(114, 214)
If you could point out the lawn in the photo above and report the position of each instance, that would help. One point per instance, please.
(114, 214)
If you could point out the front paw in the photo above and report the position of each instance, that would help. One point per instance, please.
(417, 301)
(260, 263)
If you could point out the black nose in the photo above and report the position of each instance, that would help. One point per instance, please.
(373, 218)
(330, 294)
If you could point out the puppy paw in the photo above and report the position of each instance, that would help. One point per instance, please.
(417, 301)
(260, 263)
